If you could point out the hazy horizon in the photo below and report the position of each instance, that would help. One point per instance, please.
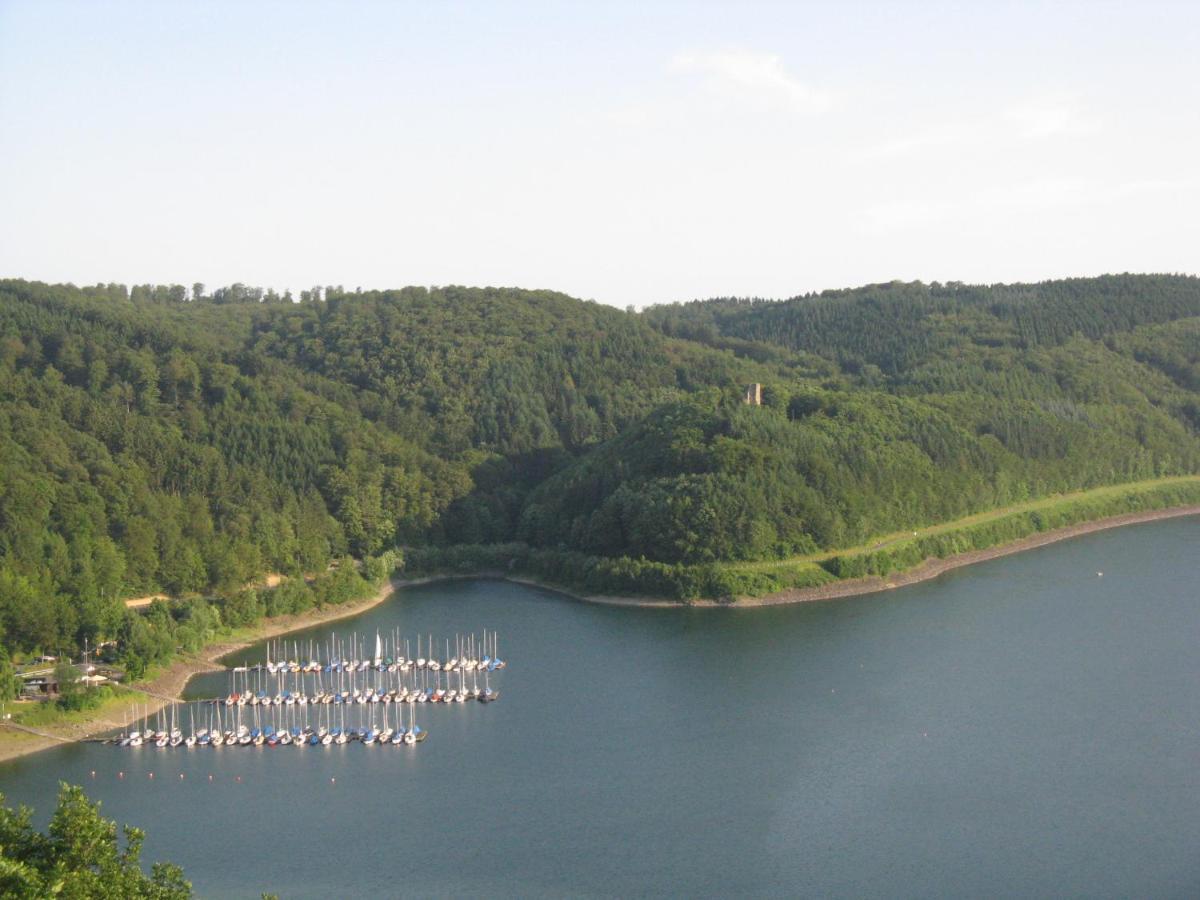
(295, 291)
(632, 154)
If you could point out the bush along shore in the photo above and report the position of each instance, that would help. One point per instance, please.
(815, 576)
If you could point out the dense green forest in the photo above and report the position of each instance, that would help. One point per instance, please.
(159, 438)
(899, 326)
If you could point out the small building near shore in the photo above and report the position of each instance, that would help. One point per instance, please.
(40, 687)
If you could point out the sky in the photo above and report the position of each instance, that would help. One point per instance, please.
(630, 153)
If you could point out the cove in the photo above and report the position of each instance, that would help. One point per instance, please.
(1021, 727)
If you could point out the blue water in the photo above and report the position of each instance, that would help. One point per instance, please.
(1019, 728)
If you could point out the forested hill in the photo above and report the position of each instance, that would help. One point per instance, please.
(502, 371)
(149, 442)
(156, 438)
(897, 326)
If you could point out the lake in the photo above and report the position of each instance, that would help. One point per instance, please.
(1023, 727)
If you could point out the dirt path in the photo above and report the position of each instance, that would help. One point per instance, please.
(270, 580)
(139, 602)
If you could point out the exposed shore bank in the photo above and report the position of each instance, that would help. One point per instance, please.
(932, 568)
(152, 695)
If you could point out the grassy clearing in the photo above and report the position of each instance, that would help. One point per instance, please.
(49, 716)
(1050, 504)
(17, 743)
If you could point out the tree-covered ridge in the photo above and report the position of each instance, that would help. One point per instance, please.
(896, 326)
(495, 370)
(510, 384)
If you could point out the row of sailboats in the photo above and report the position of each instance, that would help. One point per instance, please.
(470, 653)
(461, 675)
(277, 727)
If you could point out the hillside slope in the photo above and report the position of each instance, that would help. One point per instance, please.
(950, 400)
(149, 442)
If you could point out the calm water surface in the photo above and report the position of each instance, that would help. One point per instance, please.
(1020, 728)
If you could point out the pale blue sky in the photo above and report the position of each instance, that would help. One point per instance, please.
(630, 153)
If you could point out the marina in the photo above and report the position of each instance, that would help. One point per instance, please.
(332, 694)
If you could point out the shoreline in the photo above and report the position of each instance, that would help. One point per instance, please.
(933, 567)
(168, 686)
(926, 571)
(851, 587)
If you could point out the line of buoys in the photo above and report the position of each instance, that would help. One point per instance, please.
(183, 776)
